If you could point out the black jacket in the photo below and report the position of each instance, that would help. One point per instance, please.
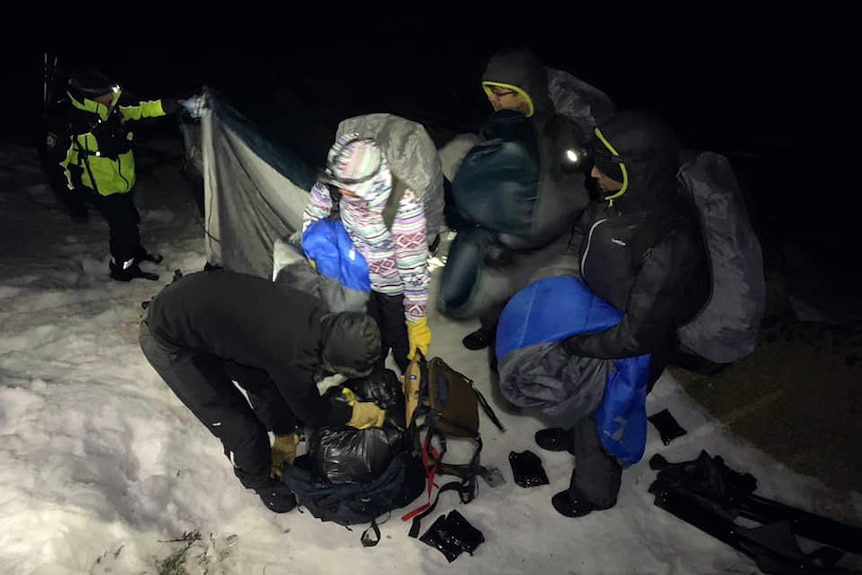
(256, 323)
(642, 252)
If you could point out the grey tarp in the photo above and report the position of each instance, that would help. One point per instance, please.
(254, 190)
(727, 328)
(412, 157)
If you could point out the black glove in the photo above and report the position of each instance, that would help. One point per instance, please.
(170, 105)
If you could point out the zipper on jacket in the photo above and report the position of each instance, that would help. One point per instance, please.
(589, 241)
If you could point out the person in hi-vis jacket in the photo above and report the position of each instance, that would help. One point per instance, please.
(89, 149)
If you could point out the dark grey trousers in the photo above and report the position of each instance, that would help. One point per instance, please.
(204, 383)
(596, 475)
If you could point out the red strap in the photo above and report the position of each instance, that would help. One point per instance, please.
(429, 455)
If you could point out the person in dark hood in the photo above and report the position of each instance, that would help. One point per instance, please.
(209, 329)
(639, 247)
(516, 80)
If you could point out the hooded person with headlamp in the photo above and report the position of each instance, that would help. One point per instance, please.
(517, 191)
(210, 329)
(639, 248)
(357, 186)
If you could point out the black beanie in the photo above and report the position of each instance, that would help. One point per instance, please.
(350, 343)
(90, 84)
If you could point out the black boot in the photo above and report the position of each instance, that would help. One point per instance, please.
(277, 497)
(274, 494)
(555, 439)
(479, 339)
(145, 256)
(130, 272)
(574, 506)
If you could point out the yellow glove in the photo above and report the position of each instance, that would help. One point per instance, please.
(419, 336)
(283, 452)
(366, 414)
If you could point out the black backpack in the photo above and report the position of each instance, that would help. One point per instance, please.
(355, 503)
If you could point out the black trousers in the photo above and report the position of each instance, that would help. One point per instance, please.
(388, 311)
(123, 219)
(204, 383)
(597, 476)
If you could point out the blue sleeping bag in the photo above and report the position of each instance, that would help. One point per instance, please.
(327, 244)
(536, 371)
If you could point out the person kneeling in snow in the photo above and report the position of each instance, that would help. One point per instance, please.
(209, 329)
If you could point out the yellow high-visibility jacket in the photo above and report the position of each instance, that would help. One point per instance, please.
(99, 143)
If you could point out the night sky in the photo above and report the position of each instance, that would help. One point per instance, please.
(740, 79)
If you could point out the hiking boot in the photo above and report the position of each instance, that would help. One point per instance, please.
(130, 273)
(555, 439)
(146, 256)
(479, 339)
(276, 496)
(569, 506)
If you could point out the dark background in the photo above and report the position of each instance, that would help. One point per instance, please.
(755, 82)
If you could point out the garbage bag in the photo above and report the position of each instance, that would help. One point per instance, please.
(341, 455)
(346, 455)
(386, 390)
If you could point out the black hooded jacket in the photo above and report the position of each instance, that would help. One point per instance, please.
(641, 251)
(255, 323)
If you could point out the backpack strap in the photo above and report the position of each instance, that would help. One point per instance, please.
(486, 407)
(366, 538)
(391, 207)
(466, 485)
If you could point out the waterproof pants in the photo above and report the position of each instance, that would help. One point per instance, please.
(388, 311)
(205, 384)
(597, 476)
(123, 219)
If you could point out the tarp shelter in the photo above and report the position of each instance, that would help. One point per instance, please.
(256, 184)
(255, 190)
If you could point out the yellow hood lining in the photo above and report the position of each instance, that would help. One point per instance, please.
(623, 169)
(488, 85)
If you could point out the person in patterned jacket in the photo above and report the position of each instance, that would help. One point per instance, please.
(357, 184)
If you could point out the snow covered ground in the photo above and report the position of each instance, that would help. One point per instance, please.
(105, 471)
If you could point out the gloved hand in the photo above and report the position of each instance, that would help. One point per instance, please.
(170, 105)
(419, 336)
(192, 105)
(365, 413)
(283, 452)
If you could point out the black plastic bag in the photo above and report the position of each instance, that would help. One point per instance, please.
(527, 469)
(347, 455)
(386, 390)
(452, 535)
(340, 455)
(666, 425)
